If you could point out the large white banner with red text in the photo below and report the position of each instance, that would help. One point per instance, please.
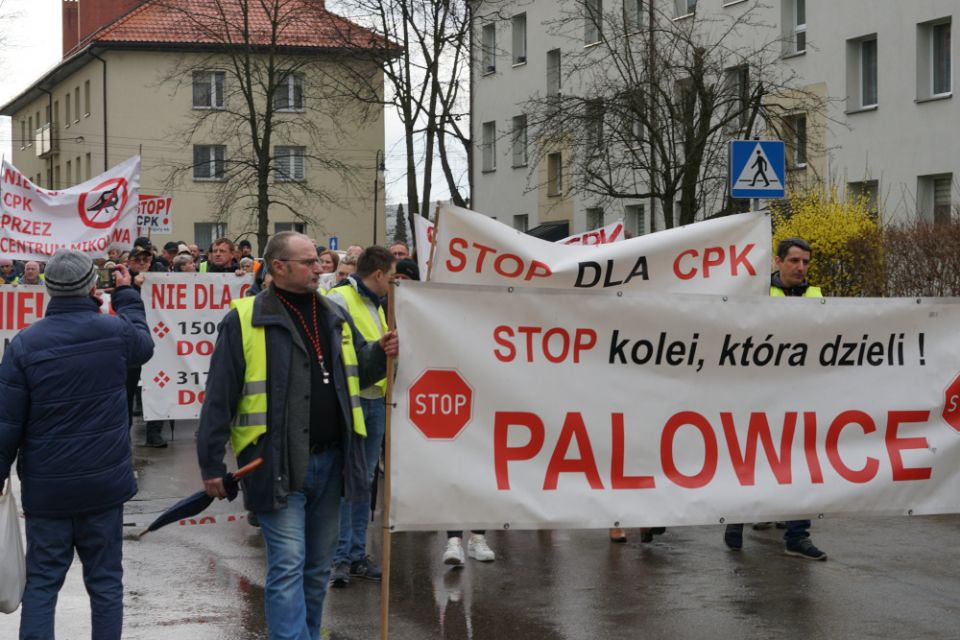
(729, 255)
(536, 408)
(90, 217)
(184, 311)
(20, 306)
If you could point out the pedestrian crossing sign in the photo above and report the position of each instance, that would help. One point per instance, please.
(757, 168)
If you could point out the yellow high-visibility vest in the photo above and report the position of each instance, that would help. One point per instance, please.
(251, 419)
(811, 292)
(371, 328)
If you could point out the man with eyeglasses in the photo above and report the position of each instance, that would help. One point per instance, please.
(139, 262)
(284, 385)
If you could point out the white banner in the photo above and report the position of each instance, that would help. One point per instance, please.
(423, 237)
(729, 255)
(534, 408)
(184, 311)
(90, 217)
(154, 215)
(20, 306)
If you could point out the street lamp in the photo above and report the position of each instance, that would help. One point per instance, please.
(379, 168)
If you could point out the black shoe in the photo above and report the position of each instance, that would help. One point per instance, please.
(340, 576)
(156, 441)
(762, 526)
(366, 569)
(804, 549)
(252, 519)
(733, 536)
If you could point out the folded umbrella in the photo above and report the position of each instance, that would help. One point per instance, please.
(194, 504)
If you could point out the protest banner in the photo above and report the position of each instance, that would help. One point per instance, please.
(545, 408)
(20, 306)
(184, 311)
(90, 217)
(729, 255)
(154, 215)
(423, 239)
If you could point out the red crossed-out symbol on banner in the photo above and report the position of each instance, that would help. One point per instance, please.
(441, 404)
(951, 404)
(161, 379)
(100, 207)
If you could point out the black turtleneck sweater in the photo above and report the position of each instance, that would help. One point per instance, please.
(326, 419)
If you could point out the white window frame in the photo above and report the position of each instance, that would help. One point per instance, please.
(521, 222)
(799, 28)
(634, 219)
(593, 218)
(554, 174)
(286, 167)
(685, 8)
(209, 79)
(862, 62)
(554, 75)
(86, 98)
(489, 146)
(287, 88)
(592, 22)
(210, 161)
(797, 143)
(632, 16)
(518, 25)
(933, 59)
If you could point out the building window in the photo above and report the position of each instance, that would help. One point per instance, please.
(685, 7)
(31, 132)
(489, 144)
(632, 15)
(795, 136)
(69, 170)
(519, 24)
(78, 167)
(208, 89)
(208, 161)
(204, 233)
(554, 174)
(521, 222)
(593, 121)
(867, 191)
(634, 223)
(299, 227)
(88, 166)
(23, 134)
(289, 93)
(934, 68)
(76, 104)
(56, 113)
(553, 74)
(738, 96)
(489, 41)
(520, 141)
(594, 218)
(66, 110)
(868, 72)
(86, 97)
(288, 163)
(799, 26)
(592, 21)
(56, 178)
(934, 197)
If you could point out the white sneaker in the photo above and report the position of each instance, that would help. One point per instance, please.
(478, 549)
(453, 554)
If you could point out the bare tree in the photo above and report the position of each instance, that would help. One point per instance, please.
(265, 87)
(653, 101)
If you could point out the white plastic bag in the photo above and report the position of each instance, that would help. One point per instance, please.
(13, 567)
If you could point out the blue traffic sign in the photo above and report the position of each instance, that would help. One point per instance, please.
(757, 169)
(333, 243)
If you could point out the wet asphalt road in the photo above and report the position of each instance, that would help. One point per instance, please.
(886, 578)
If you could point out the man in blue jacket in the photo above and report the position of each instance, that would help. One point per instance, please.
(64, 417)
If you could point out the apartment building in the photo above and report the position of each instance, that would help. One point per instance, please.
(141, 77)
(880, 71)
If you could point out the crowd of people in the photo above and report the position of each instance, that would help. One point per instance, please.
(297, 379)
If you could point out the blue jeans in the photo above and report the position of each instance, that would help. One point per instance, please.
(797, 530)
(98, 539)
(355, 516)
(300, 541)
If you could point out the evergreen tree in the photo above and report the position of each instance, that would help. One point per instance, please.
(400, 229)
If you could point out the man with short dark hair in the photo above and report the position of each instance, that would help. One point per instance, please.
(283, 386)
(792, 263)
(63, 418)
(220, 259)
(246, 249)
(400, 250)
(360, 295)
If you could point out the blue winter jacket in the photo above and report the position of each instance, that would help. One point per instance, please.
(63, 405)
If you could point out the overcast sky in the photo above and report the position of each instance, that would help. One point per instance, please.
(31, 44)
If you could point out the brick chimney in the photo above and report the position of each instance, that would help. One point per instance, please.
(84, 17)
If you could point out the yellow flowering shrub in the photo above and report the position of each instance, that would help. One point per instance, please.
(846, 239)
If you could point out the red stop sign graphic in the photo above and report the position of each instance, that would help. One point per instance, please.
(951, 404)
(441, 404)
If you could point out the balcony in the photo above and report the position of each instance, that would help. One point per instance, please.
(47, 142)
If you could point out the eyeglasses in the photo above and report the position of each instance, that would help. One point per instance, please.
(307, 262)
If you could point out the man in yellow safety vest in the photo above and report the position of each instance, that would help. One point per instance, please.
(283, 385)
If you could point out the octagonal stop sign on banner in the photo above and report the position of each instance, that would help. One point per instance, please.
(441, 404)
(951, 404)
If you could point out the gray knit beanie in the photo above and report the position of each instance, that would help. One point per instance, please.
(69, 273)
